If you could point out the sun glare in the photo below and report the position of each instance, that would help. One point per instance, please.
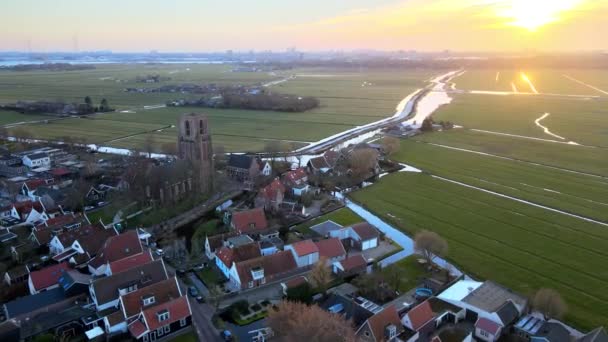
(533, 14)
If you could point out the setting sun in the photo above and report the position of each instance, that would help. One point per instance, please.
(532, 15)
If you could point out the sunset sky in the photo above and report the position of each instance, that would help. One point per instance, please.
(214, 25)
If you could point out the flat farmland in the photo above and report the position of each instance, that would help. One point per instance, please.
(9, 117)
(515, 244)
(110, 80)
(547, 81)
(348, 98)
(584, 121)
(566, 191)
(575, 158)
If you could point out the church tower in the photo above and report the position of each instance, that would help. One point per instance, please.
(194, 145)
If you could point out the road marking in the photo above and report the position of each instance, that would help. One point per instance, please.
(514, 88)
(545, 129)
(585, 84)
(497, 76)
(531, 138)
(525, 78)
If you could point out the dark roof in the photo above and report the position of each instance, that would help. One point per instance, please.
(351, 311)
(553, 332)
(508, 313)
(106, 289)
(273, 265)
(27, 304)
(48, 320)
(9, 331)
(240, 161)
(72, 277)
(596, 335)
(37, 155)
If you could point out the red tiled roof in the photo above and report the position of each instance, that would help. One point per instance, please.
(270, 191)
(162, 292)
(487, 325)
(330, 248)
(90, 237)
(241, 253)
(365, 230)
(353, 262)
(137, 329)
(295, 176)
(24, 208)
(33, 184)
(379, 322)
(250, 220)
(118, 247)
(48, 276)
(274, 265)
(44, 231)
(420, 315)
(130, 262)
(178, 309)
(305, 247)
(217, 241)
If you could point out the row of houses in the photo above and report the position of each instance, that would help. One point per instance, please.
(466, 311)
(122, 290)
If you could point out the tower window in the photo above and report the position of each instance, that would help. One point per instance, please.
(187, 128)
(201, 128)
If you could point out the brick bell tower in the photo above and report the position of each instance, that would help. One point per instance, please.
(194, 145)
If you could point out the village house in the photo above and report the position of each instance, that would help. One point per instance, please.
(422, 320)
(242, 168)
(361, 236)
(251, 221)
(115, 248)
(323, 164)
(226, 256)
(11, 166)
(105, 292)
(46, 278)
(162, 320)
(131, 304)
(271, 196)
(384, 326)
(36, 160)
(265, 168)
(492, 307)
(43, 232)
(331, 249)
(17, 275)
(353, 264)
(30, 212)
(262, 270)
(213, 243)
(296, 181)
(305, 252)
(81, 244)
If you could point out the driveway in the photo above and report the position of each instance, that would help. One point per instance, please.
(202, 289)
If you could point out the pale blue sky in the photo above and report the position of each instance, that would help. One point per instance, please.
(205, 25)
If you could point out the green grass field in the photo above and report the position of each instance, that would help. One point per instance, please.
(348, 98)
(549, 81)
(579, 120)
(520, 246)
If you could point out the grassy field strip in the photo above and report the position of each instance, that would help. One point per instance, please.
(477, 243)
(519, 160)
(135, 134)
(592, 161)
(585, 84)
(524, 201)
(526, 137)
(563, 191)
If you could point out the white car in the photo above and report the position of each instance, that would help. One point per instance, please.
(160, 252)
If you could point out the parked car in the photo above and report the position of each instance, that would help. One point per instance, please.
(193, 291)
(88, 208)
(199, 267)
(181, 272)
(200, 299)
(226, 335)
(160, 252)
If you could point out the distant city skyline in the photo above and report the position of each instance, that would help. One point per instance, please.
(241, 25)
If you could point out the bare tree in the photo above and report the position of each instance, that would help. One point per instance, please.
(320, 275)
(390, 145)
(549, 303)
(215, 296)
(75, 199)
(430, 245)
(362, 162)
(149, 143)
(298, 322)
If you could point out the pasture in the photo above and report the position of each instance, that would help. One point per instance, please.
(348, 98)
(520, 246)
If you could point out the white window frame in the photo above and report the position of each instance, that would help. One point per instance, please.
(150, 300)
(183, 322)
(163, 317)
(250, 284)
